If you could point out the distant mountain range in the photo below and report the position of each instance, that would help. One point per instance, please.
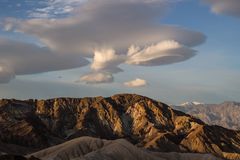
(132, 126)
(226, 114)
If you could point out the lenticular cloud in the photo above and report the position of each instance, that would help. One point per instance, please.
(110, 33)
(19, 58)
(165, 52)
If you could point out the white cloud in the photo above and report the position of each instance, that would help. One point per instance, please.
(136, 83)
(107, 60)
(228, 7)
(95, 78)
(165, 52)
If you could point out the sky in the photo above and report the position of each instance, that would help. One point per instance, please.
(170, 50)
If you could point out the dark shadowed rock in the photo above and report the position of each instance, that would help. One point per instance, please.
(16, 157)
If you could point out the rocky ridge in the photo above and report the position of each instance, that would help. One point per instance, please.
(38, 124)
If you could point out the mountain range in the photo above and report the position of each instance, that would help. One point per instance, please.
(226, 114)
(117, 127)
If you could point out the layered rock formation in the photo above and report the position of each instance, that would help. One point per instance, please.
(146, 123)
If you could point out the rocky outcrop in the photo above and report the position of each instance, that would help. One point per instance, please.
(14, 149)
(142, 121)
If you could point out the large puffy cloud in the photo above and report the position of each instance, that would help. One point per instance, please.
(229, 7)
(18, 58)
(107, 60)
(114, 32)
(105, 63)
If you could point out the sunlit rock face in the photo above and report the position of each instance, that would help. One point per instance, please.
(146, 123)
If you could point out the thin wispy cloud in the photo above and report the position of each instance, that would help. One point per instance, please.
(228, 7)
(54, 8)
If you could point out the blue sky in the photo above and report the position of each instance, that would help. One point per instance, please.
(210, 75)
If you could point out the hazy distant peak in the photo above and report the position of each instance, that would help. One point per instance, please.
(225, 114)
(191, 103)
